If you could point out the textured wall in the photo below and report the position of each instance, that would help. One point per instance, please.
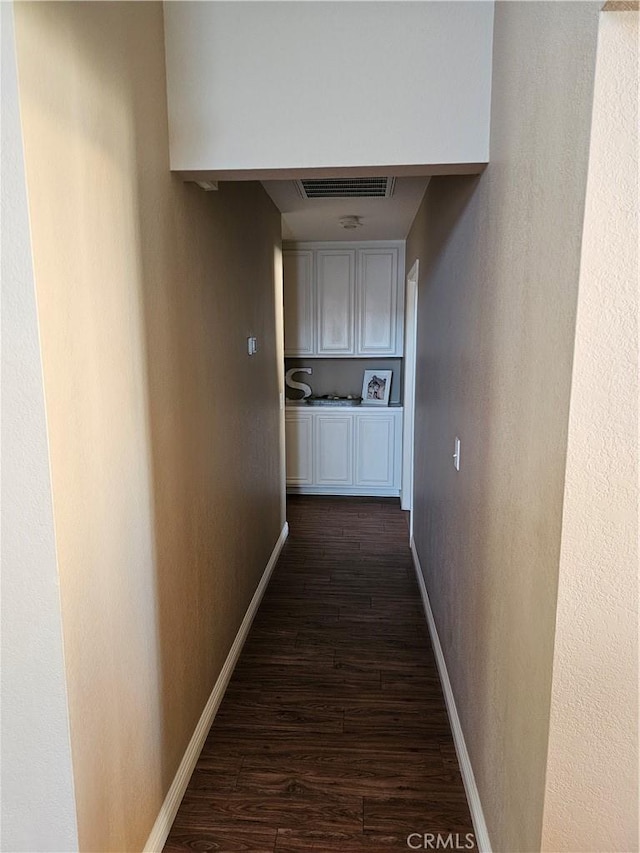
(36, 752)
(592, 775)
(164, 434)
(499, 261)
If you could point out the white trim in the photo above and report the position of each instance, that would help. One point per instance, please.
(409, 397)
(473, 797)
(169, 808)
(344, 491)
(306, 245)
(360, 409)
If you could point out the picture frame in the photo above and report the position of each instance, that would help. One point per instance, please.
(376, 387)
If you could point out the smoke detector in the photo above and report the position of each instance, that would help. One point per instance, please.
(350, 222)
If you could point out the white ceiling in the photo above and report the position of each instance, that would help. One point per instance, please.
(318, 219)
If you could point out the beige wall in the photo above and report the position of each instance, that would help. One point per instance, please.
(592, 776)
(499, 260)
(164, 435)
(36, 749)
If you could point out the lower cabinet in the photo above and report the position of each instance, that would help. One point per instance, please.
(375, 450)
(351, 452)
(333, 450)
(298, 434)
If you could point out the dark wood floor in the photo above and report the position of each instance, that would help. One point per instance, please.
(333, 733)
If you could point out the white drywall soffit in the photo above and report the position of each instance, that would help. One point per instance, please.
(319, 219)
(298, 85)
(38, 805)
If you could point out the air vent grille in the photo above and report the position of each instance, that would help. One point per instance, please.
(346, 187)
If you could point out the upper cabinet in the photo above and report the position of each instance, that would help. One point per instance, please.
(299, 338)
(379, 322)
(344, 300)
(335, 301)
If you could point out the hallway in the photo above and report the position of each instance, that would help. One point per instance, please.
(333, 734)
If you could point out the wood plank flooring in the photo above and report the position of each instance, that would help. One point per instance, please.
(333, 733)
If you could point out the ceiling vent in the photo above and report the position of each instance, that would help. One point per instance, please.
(346, 187)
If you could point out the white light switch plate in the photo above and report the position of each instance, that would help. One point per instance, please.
(456, 454)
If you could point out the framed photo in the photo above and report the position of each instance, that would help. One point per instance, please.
(376, 387)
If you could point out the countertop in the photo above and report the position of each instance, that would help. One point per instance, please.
(300, 404)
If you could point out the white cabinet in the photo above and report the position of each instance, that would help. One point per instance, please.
(375, 450)
(333, 450)
(377, 301)
(344, 451)
(344, 300)
(299, 311)
(298, 428)
(335, 292)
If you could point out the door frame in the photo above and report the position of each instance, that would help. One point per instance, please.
(410, 358)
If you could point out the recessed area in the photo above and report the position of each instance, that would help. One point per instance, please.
(385, 216)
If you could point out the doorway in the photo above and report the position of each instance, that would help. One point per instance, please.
(410, 341)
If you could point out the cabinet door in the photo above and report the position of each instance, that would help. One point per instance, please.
(377, 301)
(333, 450)
(375, 450)
(299, 448)
(297, 268)
(335, 302)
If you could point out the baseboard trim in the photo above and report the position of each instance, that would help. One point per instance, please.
(473, 797)
(348, 491)
(169, 808)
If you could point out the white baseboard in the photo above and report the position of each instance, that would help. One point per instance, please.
(169, 808)
(471, 789)
(347, 491)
